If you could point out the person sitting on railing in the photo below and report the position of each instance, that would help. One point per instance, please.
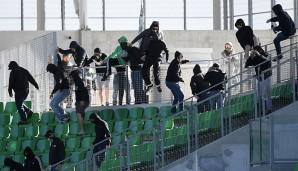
(245, 37)
(198, 85)
(261, 64)
(78, 53)
(102, 132)
(286, 27)
(172, 81)
(216, 79)
(98, 58)
(230, 62)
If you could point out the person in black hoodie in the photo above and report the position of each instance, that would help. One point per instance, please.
(19, 82)
(153, 57)
(216, 79)
(31, 162)
(57, 151)
(82, 98)
(78, 53)
(13, 165)
(198, 87)
(102, 133)
(286, 27)
(261, 64)
(172, 81)
(245, 37)
(61, 91)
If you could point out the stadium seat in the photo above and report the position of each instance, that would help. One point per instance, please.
(117, 139)
(134, 140)
(31, 131)
(106, 114)
(43, 128)
(111, 125)
(76, 157)
(42, 145)
(15, 118)
(73, 144)
(135, 126)
(61, 129)
(3, 145)
(47, 118)
(89, 128)
(164, 111)
(135, 113)
(120, 126)
(28, 104)
(29, 143)
(88, 113)
(34, 119)
(87, 142)
(45, 159)
(4, 133)
(1, 107)
(10, 107)
(19, 157)
(120, 114)
(5, 119)
(150, 112)
(73, 116)
(16, 132)
(2, 158)
(74, 129)
(13, 146)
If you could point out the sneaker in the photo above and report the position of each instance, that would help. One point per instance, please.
(279, 57)
(22, 123)
(66, 119)
(29, 114)
(159, 89)
(148, 88)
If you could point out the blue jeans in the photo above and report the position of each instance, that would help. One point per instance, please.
(100, 157)
(20, 97)
(280, 37)
(178, 95)
(59, 97)
(216, 99)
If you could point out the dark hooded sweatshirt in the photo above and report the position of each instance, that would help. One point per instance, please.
(145, 37)
(14, 166)
(244, 35)
(32, 162)
(81, 90)
(156, 46)
(57, 151)
(79, 55)
(174, 70)
(97, 58)
(19, 78)
(214, 77)
(60, 79)
(197, 82)
(101, 130)
(286, 24)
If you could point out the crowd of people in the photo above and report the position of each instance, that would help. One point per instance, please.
(71, 78)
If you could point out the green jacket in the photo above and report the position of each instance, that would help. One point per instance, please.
(118, 52)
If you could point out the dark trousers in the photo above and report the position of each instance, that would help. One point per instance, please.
(205, 106)
(137, 85)
(280, 37)
(122, 82)
(20, 97)
(100, 157)
(146, 69)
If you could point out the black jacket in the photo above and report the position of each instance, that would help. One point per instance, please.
(79, 55)
(286, 24)
(19, 79)
(245, 36)
(214, 77)
(57, 151)
(97, 58)
(101, 130)
(31, 162)
(60, 79)
(135, 55)
(81, 90)
(174, 71)
(255, 60)
(155, 48)
(14, 166)
(197, 82)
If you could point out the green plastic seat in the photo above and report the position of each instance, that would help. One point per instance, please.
(61, 130)
(10, 107)
(89, 128)
(111, 153)
(87, 142)
(4, 133)
(88, 113)
(110, 125)
(47, 118)
(29, 143)
(42, 145)
(28, 104)
(34, 119)
(3, 145)
(13, 146)
(150, 112)
(43, 129)
(164, 111)
(117, 139)
(5, 119)
(15, 118)
(18, 158)
(73, 144)
(106, 114)
(31, 131)
(76, 157)
(296, 167)
(149, 124)
(73, 116)
(1, 107)
(135, 113)
(135, 126)
(120, 126)
(74, 129)
(134, 140)
(45, 159)
(120, 114)
(5, 169)
(68, 167)
(16, 132)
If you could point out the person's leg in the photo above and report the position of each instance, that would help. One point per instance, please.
(127, 89)
(107, 90)
(156, 69)
(145, 72)
(58, 97)
(280, 37)
(115, 88)
(20, 96)
(121, 86)
(213, 100)
(171, 86)
(220, 100)
(180, 95)
(246, 51)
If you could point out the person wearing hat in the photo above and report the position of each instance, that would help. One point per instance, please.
(100, 66)
(286, 27)
(19, 79)
(57, 151)
(172, 81)
(102, 133)
(216, 79)
(61, 91)
(32, 162)
(78, 53)
(198, 86)
(13, 165)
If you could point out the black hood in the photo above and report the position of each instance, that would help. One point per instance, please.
(52, 68)
(74, 45)
(197, 69)
(277, 9)
(154, 24)
(177, 54)
(12, 65)
(239, 21)
(28, 152)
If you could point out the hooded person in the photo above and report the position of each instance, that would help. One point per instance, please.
(78, 53)
(198, 86)
(286, 27)
(145, 36)
(13, 165)
(61, 91)
(19, 80)
(32, 162)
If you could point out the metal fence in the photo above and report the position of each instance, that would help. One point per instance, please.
(167, 137)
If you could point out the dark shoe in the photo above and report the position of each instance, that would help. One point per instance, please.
(64, 120)
(159, 89)
(279, 57)
(148, 88)
(22, 123)
(29, 114)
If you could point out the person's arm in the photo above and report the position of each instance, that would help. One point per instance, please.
(68, 51)
(184, 61)
(165, 49)
(274, 19)
(140, 36)
(59, 61)
(31, 79)
(193, 85)
(11, 83)
(112, 55)
(61, 151)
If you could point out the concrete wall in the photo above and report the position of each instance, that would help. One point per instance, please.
(107, 40)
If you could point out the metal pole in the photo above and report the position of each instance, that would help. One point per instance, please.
(121, 156)
(184, 9)
(296, 12)
(255, 97)
(128, 154)
(241, 73)
(63, 14)
(271, 120)
(250, 15)
(144, 4)
(154, 148)
(225, 14)
(188, 132)
(272, 4)
(231, 4)
(22, 15)
(162, 126)
(103, 15)
(126, 85)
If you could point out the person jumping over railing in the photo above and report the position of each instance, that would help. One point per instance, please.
(286, 27)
